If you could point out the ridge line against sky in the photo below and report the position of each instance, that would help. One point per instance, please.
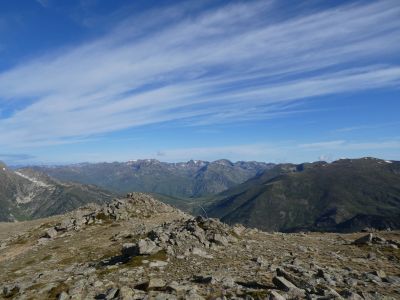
(243, 80)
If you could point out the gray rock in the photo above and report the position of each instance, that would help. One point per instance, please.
(126, 293)
(283, 284)
(288, 287)
(331, 293)
(351, 295)
(393, 280)
(158, 264)
(228, 282)
(200, 252)
(177, 288)
(364, 240)
(296, 280)
(10, 291)
(63, 296)
(112, 294)
(260, 261)
(147, 247)
(163, 296)
(381, 274)
(50, 233)
(192, 295)
(43, 241)
(220, 240)
(154, 283)
(275, 296)
(373, 277)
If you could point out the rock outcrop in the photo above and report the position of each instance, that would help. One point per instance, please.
(139, 248)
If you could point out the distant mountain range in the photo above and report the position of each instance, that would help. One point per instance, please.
(27, 194)
(194, 178)
(345, 195)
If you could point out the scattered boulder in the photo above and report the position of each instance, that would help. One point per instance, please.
(274, 295)
(63, 296)
(147, 247)
(286, 286)
(155, 283)
(381, 274)
(50, 233)
(364, 240)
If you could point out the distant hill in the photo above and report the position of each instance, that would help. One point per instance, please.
(27, 194)
(344, 195)
(194, 178)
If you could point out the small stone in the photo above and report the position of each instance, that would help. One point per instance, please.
(163, 296)
(63, 296)
(126, 293)
(371, 255)
(51, 233)
(283, 284)
(175, 286)
(10, 291)
(220, 239)
(192, 295)
(287, 286)
(228, 282)
(260, 261)
(154, 283)
(373, 277)
(147, 247)
(302, 248)
(275, 296)
(393, 280)
(112, 293)
(351, 295)
(43, 241)
(238, 229)
(331, 293)
(158, 264)
(381, 274)
(201, 253)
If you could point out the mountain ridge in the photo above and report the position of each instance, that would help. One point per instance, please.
(194, 178)
(27, 194)
(316, 196)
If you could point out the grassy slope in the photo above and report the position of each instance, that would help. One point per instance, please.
(315, 196)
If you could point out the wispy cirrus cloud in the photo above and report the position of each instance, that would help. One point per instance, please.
(367, 127)
(238, 62)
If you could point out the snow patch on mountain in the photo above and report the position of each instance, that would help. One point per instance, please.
(33, 180)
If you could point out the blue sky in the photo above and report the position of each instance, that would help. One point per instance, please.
(276, 81)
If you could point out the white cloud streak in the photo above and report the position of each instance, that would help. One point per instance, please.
(238, 62)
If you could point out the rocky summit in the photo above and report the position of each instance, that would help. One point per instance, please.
(140, 248)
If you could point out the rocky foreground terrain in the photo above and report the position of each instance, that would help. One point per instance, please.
(139, 248)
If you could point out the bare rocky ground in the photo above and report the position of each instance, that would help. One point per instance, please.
(139, 248)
